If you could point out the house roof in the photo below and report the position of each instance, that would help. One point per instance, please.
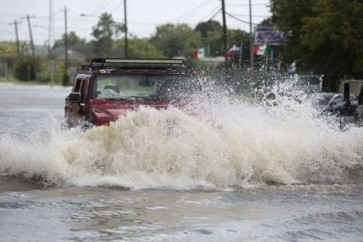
(75, 53)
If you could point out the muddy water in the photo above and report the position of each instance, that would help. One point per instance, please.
(258, 173)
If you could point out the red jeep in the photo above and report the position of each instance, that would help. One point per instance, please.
(115, 86)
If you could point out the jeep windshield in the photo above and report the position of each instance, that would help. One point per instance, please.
(129, 87)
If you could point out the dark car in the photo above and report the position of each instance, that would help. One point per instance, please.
(339, 106)
(320, 100)
(338, 100)
(116, 86)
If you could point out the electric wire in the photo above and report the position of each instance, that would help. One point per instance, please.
(238, 19)
(101, 7)
(191, 33)
(247, 15)
(246, 5)
(191, 11)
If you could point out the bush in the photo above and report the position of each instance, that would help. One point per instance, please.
(24, 69)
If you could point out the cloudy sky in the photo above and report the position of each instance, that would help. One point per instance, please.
(142, 15)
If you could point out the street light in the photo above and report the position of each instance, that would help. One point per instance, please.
(88, 15)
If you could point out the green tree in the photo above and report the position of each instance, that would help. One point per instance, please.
(138, 48)
(103, 32)
(8, 49)
(24, 68)
(287, 15)
(325, 36)
(8, 57)
(72, 38)
(334, 37)
(209, 27)
(176, 40)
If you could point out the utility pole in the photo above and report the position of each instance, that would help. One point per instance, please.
(32, 44)
(126, 41)
(240, 55)
(17, 37)
(51, 23)
(51, 65)
(65, 77)
(224, 34)
(65, 73)
(251, 38)
(65, 37)
(31, 35)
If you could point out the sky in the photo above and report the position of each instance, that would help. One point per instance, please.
(143, 16)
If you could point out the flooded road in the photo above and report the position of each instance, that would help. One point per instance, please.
(276, 174)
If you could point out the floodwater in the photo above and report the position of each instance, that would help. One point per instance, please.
(257, 173)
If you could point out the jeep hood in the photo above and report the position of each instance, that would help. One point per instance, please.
(103, 112)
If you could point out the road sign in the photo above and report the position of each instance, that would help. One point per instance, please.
(269, 35)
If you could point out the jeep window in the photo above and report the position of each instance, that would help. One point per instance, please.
(110, 86)
(77, 84)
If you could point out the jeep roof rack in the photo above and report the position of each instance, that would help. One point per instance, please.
(119, 63)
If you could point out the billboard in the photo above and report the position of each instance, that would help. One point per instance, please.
(268, 35)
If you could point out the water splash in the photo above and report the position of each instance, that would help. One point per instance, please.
(260, 140)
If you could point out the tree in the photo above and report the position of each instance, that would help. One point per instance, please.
(9, 56)
(24, 68)
(324, 36)
(334, 39)
(176, 40)
(103, 32)
(73, 39)
(8, 49)
(138, 48)
(287, 16)
(209, 27)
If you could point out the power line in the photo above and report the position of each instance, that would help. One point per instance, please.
(101, 6)
(213, 16)
(238, 19)
(216, 10)
(246, 5)
(192, 10)
(192, 32)
(247, 15)
(171, 20)
(117, 7)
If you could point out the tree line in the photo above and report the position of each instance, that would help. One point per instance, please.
(168, 41)
(322, 36)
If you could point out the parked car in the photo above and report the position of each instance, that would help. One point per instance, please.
(116, 86)
(339, 106)
(320, 100)
(338, 100)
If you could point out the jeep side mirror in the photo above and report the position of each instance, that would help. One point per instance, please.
(75, 97)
